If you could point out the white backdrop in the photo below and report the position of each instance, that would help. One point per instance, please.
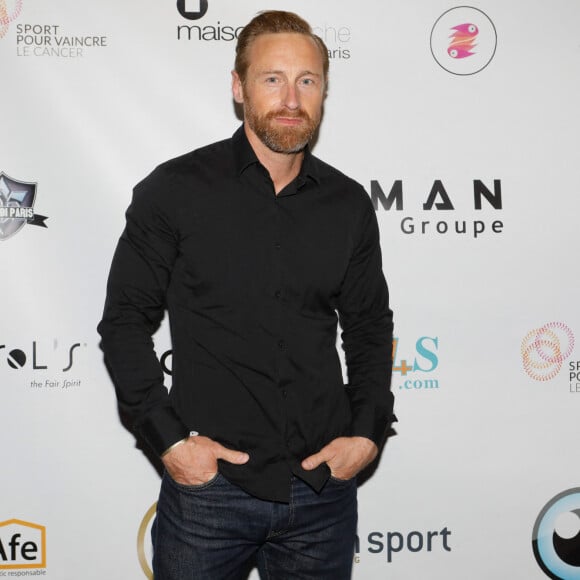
(95, 94)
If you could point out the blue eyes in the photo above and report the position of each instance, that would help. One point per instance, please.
(308, 82)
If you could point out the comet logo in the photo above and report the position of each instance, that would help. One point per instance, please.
(556, 536)
(463, 40)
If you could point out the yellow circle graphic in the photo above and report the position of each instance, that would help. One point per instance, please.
(141, 541)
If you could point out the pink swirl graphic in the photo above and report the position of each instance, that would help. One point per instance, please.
(542, 352)
(6, 18)
(463, 40)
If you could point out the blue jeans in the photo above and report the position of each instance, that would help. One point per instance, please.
(217, 531)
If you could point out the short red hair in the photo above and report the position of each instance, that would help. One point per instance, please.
(272, 22)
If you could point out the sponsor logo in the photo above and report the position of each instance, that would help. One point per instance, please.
(336, 37)
(144, 549)
(46, 358)
(195, 10)
(48, 40)
(192, 9)
(485, 197)
(544, 351)
(574, 376)
(463, 40)
(209, 32)
(22, 546)
(9, 11)
(45, 39)
(556, 536)
(390, 544)
(425, 360)
(166, 360)
(17, 206)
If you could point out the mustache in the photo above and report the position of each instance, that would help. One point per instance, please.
(296, 114)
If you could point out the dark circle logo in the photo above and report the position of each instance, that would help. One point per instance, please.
(166, 362)
(556, 536)
(192, 9)
(16, 359)
(463, 40)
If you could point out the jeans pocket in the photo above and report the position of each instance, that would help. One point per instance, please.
(339, 481)
(195, 487)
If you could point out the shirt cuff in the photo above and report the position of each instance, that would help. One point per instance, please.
(377, 429)
(180, 442)
(162, 428)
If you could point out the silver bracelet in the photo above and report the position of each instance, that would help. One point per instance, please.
(180, 442)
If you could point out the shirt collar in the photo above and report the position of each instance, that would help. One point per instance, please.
(244, 157)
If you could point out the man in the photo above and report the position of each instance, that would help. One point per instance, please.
(253, 246)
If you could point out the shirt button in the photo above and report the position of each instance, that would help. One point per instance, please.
(281, 345)
(277, 245)
(284, 393)
(278, 293)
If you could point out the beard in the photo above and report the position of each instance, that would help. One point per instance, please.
(279, 138)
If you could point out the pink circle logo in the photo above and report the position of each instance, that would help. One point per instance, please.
(545, 349)
(463, 40)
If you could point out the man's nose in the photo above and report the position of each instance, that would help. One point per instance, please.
(291, 97)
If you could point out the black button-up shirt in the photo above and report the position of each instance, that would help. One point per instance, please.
(254, 284)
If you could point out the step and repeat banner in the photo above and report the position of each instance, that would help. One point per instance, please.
(462, 124)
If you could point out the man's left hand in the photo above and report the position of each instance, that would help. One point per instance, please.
(345, 456)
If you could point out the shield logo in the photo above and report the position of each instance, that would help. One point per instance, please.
(16, 205)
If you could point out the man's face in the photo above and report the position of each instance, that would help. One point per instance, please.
(283, 91)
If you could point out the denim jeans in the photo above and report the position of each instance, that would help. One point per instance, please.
(217, 531)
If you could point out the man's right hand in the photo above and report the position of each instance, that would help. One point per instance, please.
(195, 461)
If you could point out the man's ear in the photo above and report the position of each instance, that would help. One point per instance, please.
(237, 88)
